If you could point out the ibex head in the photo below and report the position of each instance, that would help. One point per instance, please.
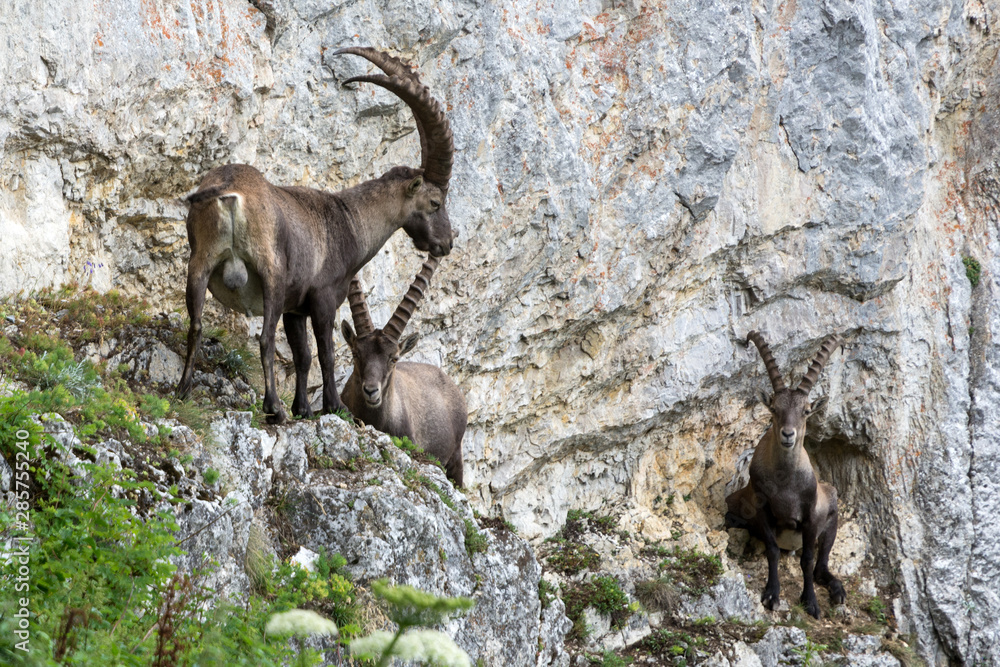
(790, 408)
(428, 223)
(376, 351)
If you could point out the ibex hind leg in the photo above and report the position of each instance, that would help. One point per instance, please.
(822, 573)
(272, 404)
(295, 329)
(195, 298)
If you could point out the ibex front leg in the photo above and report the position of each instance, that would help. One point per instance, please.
(808, 597)
(323, 321)
(295, 330)
(772, 590)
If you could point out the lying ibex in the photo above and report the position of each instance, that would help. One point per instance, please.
(291, 251)
(403, 399)
(783, 500)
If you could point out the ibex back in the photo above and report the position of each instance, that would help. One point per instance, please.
(783, 505)
(268, 250)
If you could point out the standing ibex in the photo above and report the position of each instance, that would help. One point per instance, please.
(783, 500)
(403, 399)
(291, 251)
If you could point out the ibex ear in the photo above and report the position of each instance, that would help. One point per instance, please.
(348, 332)
(414, 186)
(818, 404)
(408, 344)
(764, 398)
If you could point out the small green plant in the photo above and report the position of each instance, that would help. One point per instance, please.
(414, 480)
(154, 406)
(809, 653)
(691, 571)
(674, 648)
(578, 521)
(346, 415)
(877, 610)
(236, 361)
(406, 445)
(410, 608)
(211, 476)
(609, 659)
(973, 270)
(415, 451)
(603, 594)
(474, 540)
(546, 592)
(570, 558)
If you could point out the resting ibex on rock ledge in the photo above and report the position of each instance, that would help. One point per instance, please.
(292, 251)
(403, 399)
(783, 500)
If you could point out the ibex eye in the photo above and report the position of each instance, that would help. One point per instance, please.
(436, 204)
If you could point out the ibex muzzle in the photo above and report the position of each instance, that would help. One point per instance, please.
(783, 500)
(291, 252)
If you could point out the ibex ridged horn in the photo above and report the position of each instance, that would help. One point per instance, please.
(394, 328)
(437, 147)
(770, 364)
(359, 308)
(816, 367)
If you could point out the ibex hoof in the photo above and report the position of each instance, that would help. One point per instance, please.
(769, 600)
(304, 413)
(810, 605)
(837, 594)
(278, 418)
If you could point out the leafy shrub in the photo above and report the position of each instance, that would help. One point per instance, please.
(877, 610)
(691, 571)
(474, 540)
(570, 558)
(603, 594)
(973, 270)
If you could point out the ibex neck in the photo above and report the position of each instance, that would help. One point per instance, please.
(376, 208)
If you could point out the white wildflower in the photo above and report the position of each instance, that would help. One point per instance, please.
(301, 622)
(437, 648)
(427, 646)
(372, 646)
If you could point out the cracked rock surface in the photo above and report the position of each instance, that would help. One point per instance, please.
(636, 186)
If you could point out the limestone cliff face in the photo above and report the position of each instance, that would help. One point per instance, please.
(636, 187)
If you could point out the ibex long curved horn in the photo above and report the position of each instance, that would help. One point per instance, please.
(770, 364)
(390, 65)
(394, 328)
(816, 367)
(359, 309)
(437, 146)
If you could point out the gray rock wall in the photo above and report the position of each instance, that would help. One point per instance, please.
(636, 187)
